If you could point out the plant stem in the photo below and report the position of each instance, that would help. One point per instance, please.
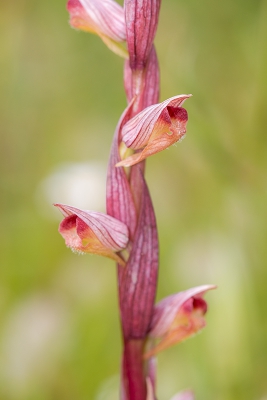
(133, 370)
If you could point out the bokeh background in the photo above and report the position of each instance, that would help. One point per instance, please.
(61, 95)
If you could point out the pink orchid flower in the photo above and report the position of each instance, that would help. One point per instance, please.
(102, 17)
(176, 318)
(93, 232)
(154, 129)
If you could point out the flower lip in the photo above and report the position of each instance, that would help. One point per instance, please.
(177, 112)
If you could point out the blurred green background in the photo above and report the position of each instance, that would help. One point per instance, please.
(61, 95)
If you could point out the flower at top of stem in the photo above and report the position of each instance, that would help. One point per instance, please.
(102, 17)
(176, 318)
(93, 232)
(154, 129)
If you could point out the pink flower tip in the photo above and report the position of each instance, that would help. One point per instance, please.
(93, 232)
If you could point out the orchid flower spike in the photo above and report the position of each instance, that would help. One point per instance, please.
(93, 232)
(176, 318)
(154, 129)
(105, 18)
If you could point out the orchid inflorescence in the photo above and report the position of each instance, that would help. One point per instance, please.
(127, 233)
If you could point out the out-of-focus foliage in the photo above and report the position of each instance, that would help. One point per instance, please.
(61, 96)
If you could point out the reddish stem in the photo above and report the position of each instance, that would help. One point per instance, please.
(133, 370)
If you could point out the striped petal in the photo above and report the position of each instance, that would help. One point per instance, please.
(93, 232)
(154, 129)
(102, 17)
